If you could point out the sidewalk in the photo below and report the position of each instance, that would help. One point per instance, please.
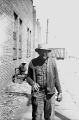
(65, 110)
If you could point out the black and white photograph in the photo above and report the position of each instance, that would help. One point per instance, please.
(39, 60)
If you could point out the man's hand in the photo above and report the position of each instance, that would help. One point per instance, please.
(59, 97)
(35, 87)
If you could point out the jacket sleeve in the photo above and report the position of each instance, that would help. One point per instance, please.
(30, 74)
(57, 82)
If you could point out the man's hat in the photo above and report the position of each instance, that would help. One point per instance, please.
(43, 47)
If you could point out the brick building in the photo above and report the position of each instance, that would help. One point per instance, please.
(17, 42)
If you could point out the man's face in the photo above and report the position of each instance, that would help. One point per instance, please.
(23, 68)
(44, 54)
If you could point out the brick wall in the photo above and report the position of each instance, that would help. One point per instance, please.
(9, 104)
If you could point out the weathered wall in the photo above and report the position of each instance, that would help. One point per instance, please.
(9, 104)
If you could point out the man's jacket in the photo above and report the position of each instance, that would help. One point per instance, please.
(52, 74)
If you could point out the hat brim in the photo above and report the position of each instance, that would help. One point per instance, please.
(23, 63)
(38, 50)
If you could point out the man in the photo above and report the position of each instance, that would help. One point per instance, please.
(20, 73)
(22, 69)
(43, 77)
(20, 76)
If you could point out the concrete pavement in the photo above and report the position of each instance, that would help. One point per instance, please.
(65, 110)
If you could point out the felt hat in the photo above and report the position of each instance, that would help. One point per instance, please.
(44, 47)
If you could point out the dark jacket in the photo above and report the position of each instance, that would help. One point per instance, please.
(52, 74)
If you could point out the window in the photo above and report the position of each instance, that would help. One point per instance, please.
(28, 43)
(20, 39)
(15, 36)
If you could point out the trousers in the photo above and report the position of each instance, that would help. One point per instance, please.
(43, 106)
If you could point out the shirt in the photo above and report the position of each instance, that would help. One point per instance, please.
(41, 74)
